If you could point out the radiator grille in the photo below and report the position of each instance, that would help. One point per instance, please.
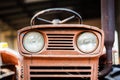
(81, 72)
(60, 41)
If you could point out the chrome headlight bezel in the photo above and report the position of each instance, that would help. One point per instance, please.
(90, 38)
(36, 40)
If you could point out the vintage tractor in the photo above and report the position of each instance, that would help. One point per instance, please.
(54, 50)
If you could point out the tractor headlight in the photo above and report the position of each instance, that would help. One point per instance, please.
(33, 41)
(87, 42)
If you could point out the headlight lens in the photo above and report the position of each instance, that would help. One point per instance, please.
(33, 41)
(87, 42)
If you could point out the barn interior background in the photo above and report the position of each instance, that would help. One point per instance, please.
(16, 14)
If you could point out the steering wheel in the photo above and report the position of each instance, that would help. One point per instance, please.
(38, 16)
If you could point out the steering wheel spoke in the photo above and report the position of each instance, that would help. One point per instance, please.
(67, 19)
(41, 19)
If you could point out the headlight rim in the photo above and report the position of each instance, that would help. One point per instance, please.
(25, 50)
(92, 51)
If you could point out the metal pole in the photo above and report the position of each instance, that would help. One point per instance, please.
(108, 25)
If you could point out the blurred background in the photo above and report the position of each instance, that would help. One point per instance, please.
(16, 14)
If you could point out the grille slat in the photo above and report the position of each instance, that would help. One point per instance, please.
(61, 76)
(60, 41)
(60, 37)
(60, 34)
(56, 70)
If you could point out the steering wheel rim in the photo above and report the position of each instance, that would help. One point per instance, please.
(32, 22)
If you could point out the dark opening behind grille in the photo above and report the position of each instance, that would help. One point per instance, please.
(33, 78)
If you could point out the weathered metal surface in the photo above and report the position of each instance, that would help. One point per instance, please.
(63, 60)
